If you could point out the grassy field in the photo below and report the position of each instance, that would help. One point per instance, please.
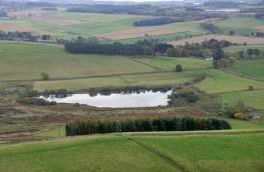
(212, 153)
(218, 81)
(166, 151)
(240, 25)
(250, 68)
(69, 25)
(165, 63)
(235, 49)
(253, 99)
(146, 80)
(97, 153)
(27, 61)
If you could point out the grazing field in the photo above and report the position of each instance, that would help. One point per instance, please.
(240, 25)
(20, 61)
(159, 151)
(96, 153)
(233, 39)
(212, 153)
(165, 63)
(250, 68)
(218, 81)
(235, 49)
(169, 29)
(28, 61)
(146, 80)
(253, 99)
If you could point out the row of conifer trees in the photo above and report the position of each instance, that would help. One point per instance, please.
(86, 127)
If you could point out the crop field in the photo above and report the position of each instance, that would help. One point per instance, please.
(233, 39)
(69, 25)
(169, 151)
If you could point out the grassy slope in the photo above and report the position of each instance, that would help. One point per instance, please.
(165, 63)
(254, 99)
(218, 81)
(97, 153)
(250, 68)
(235, 49)
(27, 61)
(213, 153)
(195, 151)
(241, 26)
(118, 81)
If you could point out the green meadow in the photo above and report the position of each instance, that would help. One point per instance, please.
(165, 151)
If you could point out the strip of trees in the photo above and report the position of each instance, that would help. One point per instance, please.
(86, 127)
(157, 21)
(204, 49)
(23, 36)
(92, 46)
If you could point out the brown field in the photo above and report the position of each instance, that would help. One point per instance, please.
(139, 32)
(44, 16)
(55, 20)
(233, 39)
(12, 27)
(260, 28)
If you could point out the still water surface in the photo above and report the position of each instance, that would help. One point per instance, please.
(120, 100)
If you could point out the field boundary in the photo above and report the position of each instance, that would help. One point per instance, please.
(160, 154)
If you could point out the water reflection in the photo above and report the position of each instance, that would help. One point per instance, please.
(142, 99)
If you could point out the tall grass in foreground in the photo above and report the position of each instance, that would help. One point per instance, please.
(86, 127)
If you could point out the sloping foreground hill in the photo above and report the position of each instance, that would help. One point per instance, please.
(236, 150)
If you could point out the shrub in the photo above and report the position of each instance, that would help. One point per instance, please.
(44, 76)
(178, 68)
(250, 88)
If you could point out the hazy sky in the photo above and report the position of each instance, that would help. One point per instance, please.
(141, 0)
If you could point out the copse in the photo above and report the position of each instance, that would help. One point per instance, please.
(86, 127)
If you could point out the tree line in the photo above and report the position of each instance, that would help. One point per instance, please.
(157, 21)
(23, 36)
(204, 49)
(86, 127)
(93, 46)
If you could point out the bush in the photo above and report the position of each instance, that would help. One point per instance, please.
(178, 68)
(250, 88)
(82, 127)
(44, 76)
